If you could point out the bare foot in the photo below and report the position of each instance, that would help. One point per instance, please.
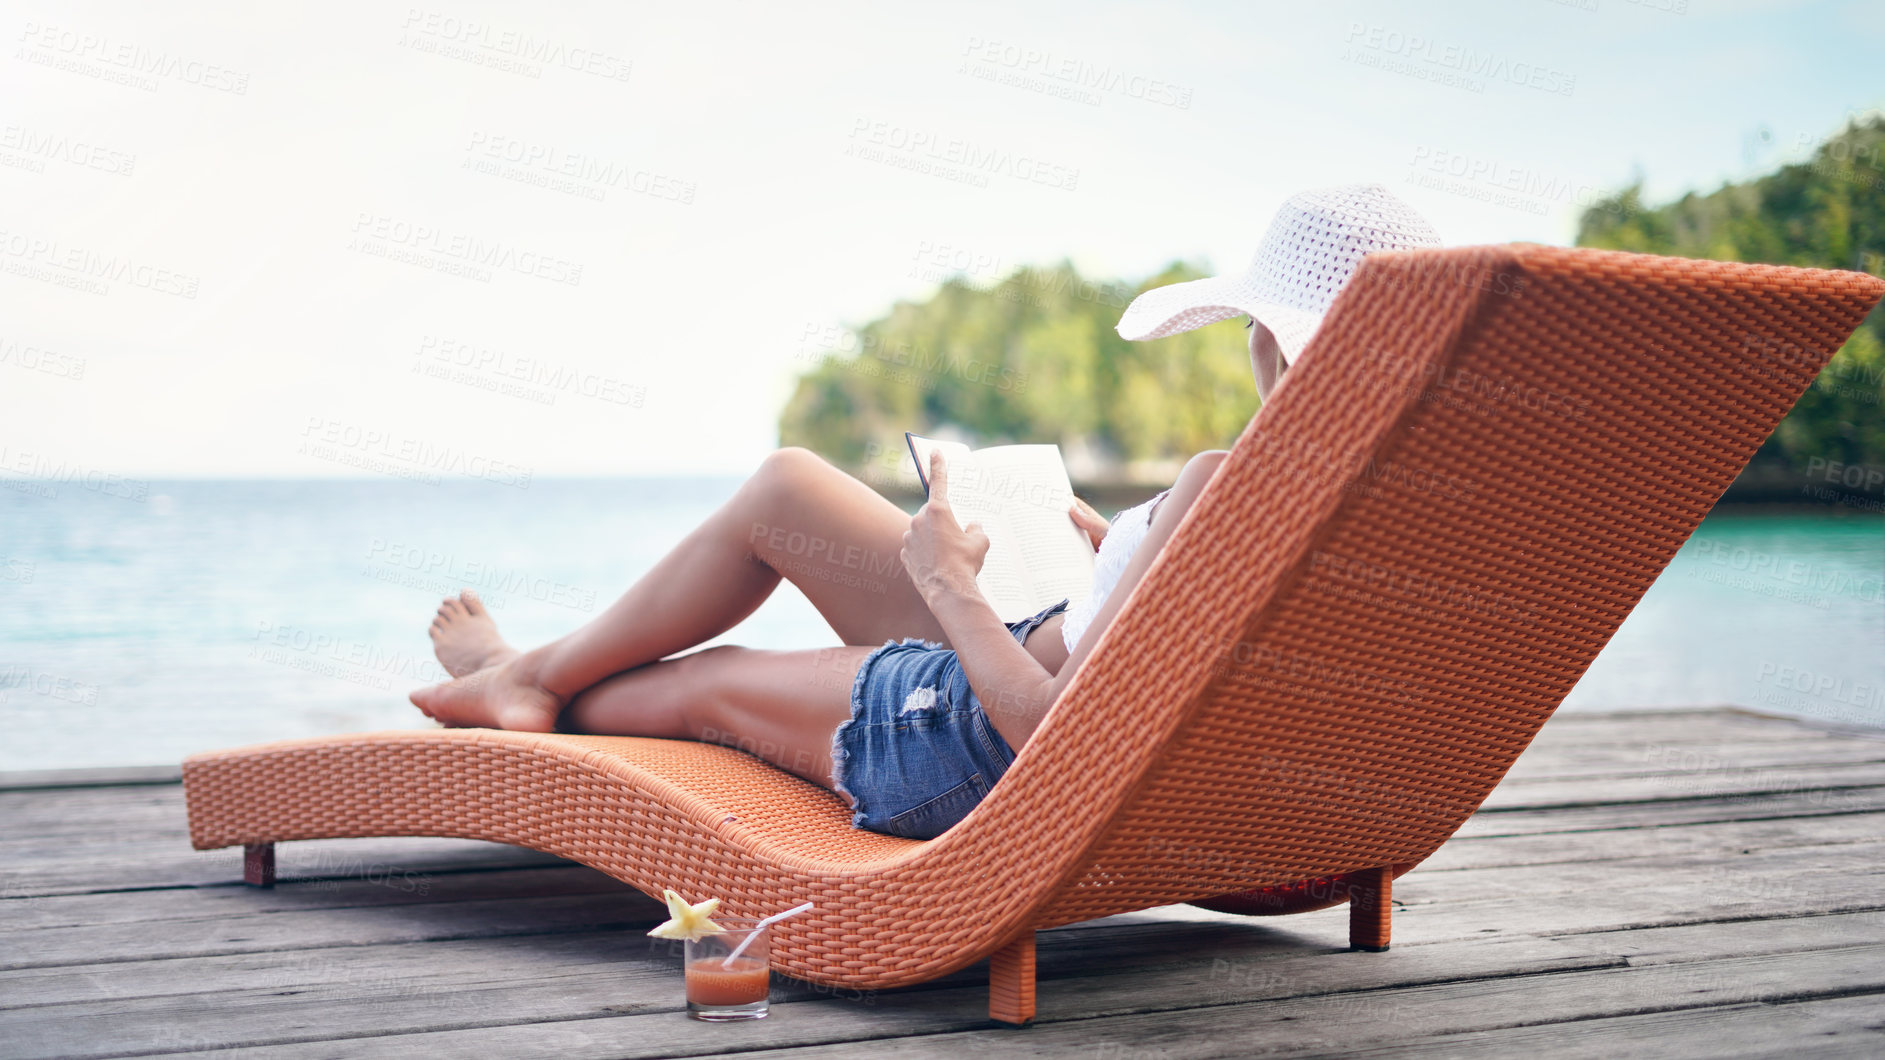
(465, 638)
(502, 696)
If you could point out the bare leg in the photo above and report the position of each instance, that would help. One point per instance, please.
(797, 517)
(779, 705)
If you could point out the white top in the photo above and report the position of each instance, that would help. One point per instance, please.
(1123, 537)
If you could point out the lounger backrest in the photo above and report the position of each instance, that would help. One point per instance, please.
(1414, 551)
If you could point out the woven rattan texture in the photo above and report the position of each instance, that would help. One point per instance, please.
(1393, 581)
(656, 813)
(1403, 608)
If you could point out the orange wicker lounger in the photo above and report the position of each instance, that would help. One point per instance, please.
(1413, 552)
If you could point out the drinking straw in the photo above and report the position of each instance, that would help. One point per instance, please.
(759, 927)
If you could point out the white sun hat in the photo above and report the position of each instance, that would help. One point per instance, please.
(1312, 247)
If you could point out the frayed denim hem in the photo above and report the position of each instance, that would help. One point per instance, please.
(841, 758)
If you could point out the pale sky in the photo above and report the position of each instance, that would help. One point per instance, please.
(234, 237)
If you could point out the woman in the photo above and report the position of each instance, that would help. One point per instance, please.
(915, 731)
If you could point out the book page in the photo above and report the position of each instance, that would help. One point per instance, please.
(1019, 495)
(1028, 483)
(954, 453)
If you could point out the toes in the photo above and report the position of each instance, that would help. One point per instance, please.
(472, 604)
(428, 698)
(437, 630)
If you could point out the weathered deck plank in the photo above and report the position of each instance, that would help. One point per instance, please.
(1844, 1027)
(1195, 1010)
(1696, 883)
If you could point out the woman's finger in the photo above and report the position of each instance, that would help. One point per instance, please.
(1090, 522)
(938, 479)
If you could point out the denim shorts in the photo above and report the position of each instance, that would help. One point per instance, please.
(919, 753)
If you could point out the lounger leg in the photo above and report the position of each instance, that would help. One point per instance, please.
(1011, 982)
(1370, 904)
(258, 864)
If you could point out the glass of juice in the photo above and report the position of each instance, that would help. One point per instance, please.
(719, 991)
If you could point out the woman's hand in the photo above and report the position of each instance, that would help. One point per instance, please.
(1090, 521)
(941, 555)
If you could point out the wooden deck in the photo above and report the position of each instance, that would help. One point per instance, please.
(1701, 883)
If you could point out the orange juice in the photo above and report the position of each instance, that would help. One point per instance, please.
(710, 983)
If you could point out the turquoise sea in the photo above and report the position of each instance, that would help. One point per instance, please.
(140, 622)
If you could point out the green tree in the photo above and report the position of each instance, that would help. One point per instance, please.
(1826, 212)
(1033, 357)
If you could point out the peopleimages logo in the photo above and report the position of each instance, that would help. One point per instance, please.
(422, 244)
(120, 60)
(38, 359)
(433, 570)
(598, 173)
(1077, 75)
(525, 376)
(963, 156)
(1458, 59)
(1529, 189)
(45, 469)
(37, 147)
(370, 449)
(487, 45)
(84, 266)
(820, 342)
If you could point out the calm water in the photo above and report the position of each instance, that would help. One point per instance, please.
(206, 614)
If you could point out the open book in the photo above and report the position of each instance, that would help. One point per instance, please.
(1019, 495)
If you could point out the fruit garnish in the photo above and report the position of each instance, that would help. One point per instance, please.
(687, 921)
